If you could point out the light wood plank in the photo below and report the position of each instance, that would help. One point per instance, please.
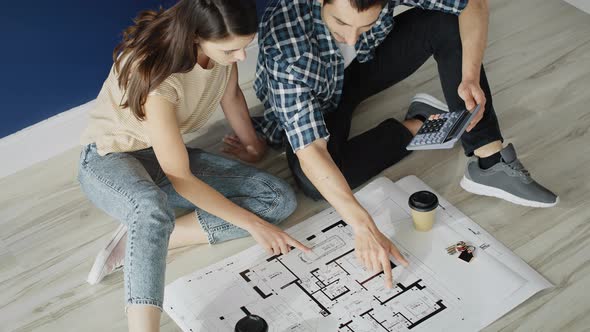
(538, 64)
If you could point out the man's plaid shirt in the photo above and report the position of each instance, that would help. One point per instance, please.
(300, 70)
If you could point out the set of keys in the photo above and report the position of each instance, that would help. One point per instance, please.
(465, 251)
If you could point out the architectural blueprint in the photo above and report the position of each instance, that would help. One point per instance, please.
(328, 290)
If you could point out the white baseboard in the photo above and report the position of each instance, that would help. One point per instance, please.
(43, 140)
(61, 132)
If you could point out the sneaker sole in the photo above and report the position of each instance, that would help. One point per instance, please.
(479, 189)
(97, 271)
(430, 100)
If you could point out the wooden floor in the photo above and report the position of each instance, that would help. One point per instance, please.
(538, 64)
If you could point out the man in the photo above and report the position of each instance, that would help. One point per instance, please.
(320, 58)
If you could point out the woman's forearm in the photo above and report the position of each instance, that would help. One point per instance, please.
(205, 197)
(237, 114)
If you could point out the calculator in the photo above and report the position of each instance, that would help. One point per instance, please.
(442, 131)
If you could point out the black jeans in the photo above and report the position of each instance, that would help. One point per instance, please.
(417, 35)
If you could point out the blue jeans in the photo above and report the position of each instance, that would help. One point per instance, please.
(132, 188)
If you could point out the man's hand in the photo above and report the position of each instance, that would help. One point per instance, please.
(472, 94)
(250, 153)
(473, 27)
(372, 247)
(373, 250)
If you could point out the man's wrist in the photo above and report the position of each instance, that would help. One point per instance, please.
(362, 222)
(471, 66)
(471, 74)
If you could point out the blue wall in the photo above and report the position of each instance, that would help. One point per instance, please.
(55, 55)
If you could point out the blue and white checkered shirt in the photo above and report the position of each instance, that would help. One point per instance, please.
(300, 70)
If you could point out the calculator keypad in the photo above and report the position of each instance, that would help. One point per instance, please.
(436, 129)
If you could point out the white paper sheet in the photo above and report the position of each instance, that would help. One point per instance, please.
(329, 291)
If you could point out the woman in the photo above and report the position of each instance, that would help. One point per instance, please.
(170, 72)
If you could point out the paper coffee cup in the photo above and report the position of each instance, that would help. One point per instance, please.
(423, 207)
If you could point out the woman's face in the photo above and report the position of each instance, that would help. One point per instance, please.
(228, 50)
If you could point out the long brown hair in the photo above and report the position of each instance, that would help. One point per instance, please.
(162, 42)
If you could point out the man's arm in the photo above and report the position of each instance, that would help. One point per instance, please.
(296, 107)
(371, 246)
(473, 26)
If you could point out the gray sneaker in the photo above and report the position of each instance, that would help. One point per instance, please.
(508, 180)
(425, 105)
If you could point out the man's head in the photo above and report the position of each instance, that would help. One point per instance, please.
(348, 19)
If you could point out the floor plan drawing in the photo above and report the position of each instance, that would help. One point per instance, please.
(333, 281)
(328, 290)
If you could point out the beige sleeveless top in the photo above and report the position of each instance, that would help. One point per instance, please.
(195, 94)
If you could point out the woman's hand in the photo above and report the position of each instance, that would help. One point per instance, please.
(273, 239)
(250, 153)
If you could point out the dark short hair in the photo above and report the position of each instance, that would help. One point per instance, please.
(362, 5)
